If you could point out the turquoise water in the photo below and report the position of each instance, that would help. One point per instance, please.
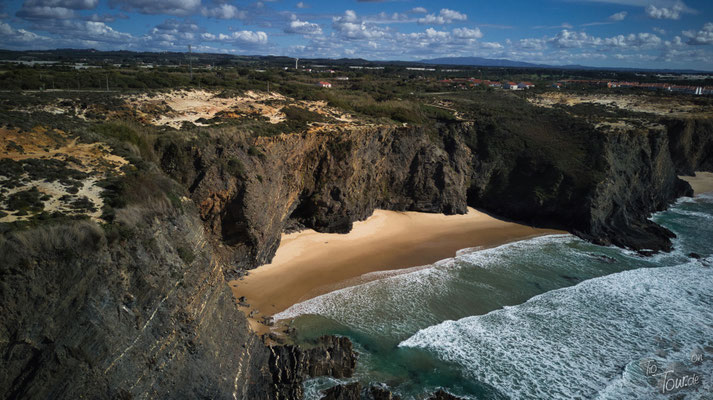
(552, 317)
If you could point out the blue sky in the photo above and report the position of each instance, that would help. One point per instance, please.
(629, 33)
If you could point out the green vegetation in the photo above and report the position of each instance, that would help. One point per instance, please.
(186, 254)
(235, 167)
(24, 201)
(562, 136)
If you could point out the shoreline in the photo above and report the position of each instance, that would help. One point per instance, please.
(701, 182)
(308, 264)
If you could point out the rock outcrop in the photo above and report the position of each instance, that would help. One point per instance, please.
(145, 312)
(290, 365)
(350, 391)
(88, 313)
(691, 144)
(441, 394)
(601, 186)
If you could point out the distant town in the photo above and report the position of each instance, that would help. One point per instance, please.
(206, 69)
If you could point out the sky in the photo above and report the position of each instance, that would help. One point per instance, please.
(606, 33)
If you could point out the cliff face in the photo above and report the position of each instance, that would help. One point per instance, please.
(641, 178)
(146, 311)
(320, 181)
(601, 186)
(143, 312)
(691, 144)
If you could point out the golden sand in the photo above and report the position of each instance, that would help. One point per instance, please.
(308, 264)
(702, 182)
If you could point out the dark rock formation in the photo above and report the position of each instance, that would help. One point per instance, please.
(351, 391)
(640, 179)
(601, 186)
(691, 144)
(443, 395)
(290, 365)
(321, 181)
(381, 393)
(86, 316)
(145, 311)
(85, 313)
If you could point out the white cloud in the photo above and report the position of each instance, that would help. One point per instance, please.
(224, 11)
(570, 39)
(673, 12)
(702, 37)
(169, 7)
(243, 37)
(87, 30)
(452, 15)
(303, 27)
(46, 12)
(676, 42)
(54, 9)
(658, 30)
(419, 10)
(445, 16)
(349, 26)
(564, 25)
(18, 36)
(466, 33)
(71, 4)
(491, 45)
(102, 31)
(640, 40)
(349, 16)
(384, 18)
(532, 44)
(302, 5)
(618, 16)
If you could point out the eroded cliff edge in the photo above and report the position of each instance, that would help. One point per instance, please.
(146, 312)
(600, 185)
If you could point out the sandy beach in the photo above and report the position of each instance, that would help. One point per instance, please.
(702, 182)
(308, 264)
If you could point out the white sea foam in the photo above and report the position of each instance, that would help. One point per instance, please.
(406, 292)
(588, 340)
(356, 305)
(694, 214)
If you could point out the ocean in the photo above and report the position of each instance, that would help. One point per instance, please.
(553, 317)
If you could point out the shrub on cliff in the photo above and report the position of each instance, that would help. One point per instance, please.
(136, 138)
(148, 193)
(72, 239)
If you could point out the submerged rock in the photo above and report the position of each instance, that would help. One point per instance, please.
(441, 394)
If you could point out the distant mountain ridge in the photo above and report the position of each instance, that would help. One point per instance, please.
(483, 62)
(501, 62)
(218, 59)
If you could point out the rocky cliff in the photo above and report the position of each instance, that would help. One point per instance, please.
(691, 144)
(600, 185)
(144, 311)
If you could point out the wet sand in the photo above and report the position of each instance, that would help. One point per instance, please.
(702, 182)
(308, 264)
